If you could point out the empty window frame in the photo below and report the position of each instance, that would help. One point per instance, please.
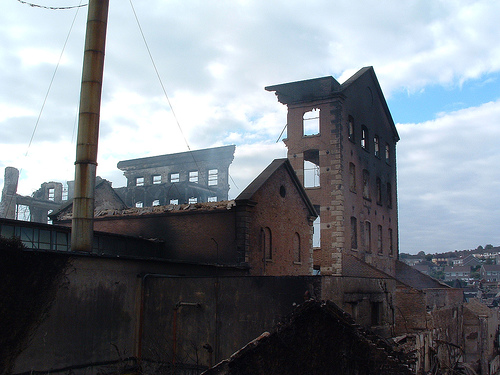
(391, 243)
(387, 153)
(193, 200)
(378, 184)
(389, 195)
(364, 137)
(311, 169)
(213, 177)
(212, 199)
(376, 146)
(139, 204)
(380, 248)
(175, 177)
(193, 177)
(156, 202)
(366, 184)
(350, 129)
(51, 194)
(354, 233)
(317, 230)
(139, 181)
(310, 122)
(23, 212)
(296, 248)
(352, 177)
(156, 179)
(376, 311)
(266, 243)
(174, 201)
(368, 237)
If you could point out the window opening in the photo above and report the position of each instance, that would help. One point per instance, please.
(378, 183)
(391, 243)
(23, 212)
(212, 199)
(139, 181)
(376, 146)
(193, 200)
(311, 169)
(51, 194)
(310, 122)
(364, 137)
(387, 153)
(350, 129)
(352, 177)
(156, 179)
(266, 243)
(389, 195)
(65, 193)
(296, 247)
(375, 313)
(156, 202)
(139, 204)
(174, 201)
(213, 177)
(174, 177)
(193, 176)
(354, 233)
(379, 240)
(317, 229)
(368, 236)
(366, 184)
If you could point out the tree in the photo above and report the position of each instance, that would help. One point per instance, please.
(488, 247)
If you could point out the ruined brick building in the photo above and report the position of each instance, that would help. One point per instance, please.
(185, 177)
(179, 281)
(342, 144)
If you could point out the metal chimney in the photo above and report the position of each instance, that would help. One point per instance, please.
(82, 233)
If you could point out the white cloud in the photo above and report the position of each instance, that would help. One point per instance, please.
(449, 179)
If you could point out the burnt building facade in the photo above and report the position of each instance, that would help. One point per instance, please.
(341, 141)
(181, 178)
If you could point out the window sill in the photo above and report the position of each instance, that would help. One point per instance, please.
(297, 263)
(269, 261)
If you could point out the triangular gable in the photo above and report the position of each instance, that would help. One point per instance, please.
(257, 183)
(369, 73)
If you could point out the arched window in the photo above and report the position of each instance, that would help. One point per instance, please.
(364, 137)
(311, 169)
(376, 145)
(310, 122)
(350, 129)
(352, 177)
(354, 233)
(266, 243)
(296, 247)
(366, 184)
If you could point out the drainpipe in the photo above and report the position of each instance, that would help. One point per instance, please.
(82, 232)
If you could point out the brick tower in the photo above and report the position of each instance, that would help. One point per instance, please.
(341, 142)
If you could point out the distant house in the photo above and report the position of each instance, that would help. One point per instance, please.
(457, 273)
(490, 272)
(469, 260)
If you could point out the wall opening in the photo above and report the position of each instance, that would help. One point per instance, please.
(139, 181)
(310, 122)
(266, 243)
(354, 233)
(317, 229)
(213, 177)
(156, 179)
(352, 177)
(193, 177)
(350, 129)
(366, 184)
(380, 247)
(311, 169)
(174, 177)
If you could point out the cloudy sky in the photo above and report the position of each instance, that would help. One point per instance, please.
(438, 63)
